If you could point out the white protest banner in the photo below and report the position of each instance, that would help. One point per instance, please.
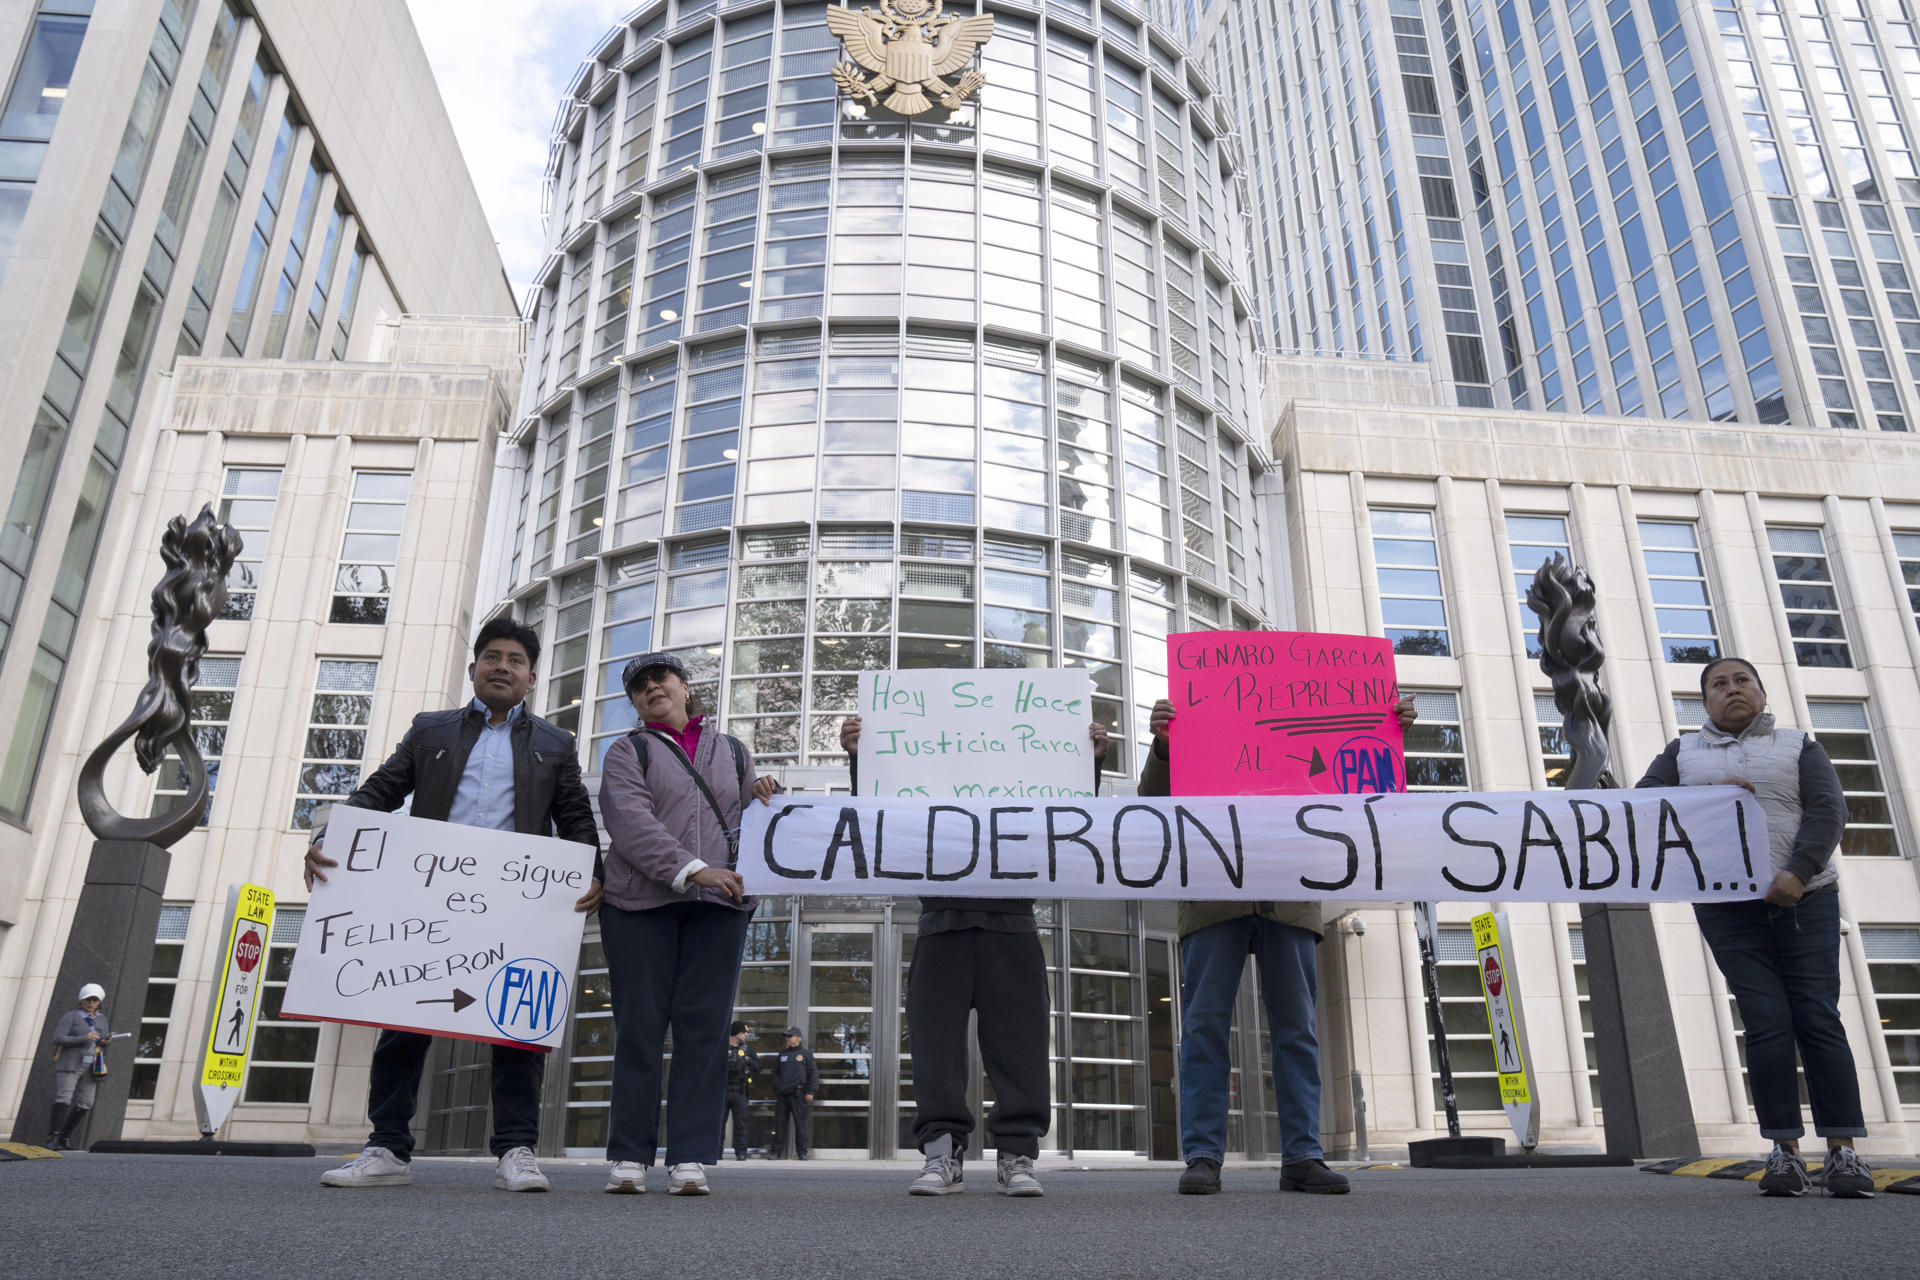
(441, 928)
(990, 733)
(1684, 844)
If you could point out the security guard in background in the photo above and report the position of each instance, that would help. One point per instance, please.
(743, 1064)
(795, 1079)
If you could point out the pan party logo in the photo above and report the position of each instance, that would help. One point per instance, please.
(909, 47)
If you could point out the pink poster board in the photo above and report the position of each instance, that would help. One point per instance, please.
(1283, 713)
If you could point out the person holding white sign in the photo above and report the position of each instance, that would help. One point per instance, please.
(1780, 953)
(1215, 938)
(977, 956)
(491, 763)
(674, 923)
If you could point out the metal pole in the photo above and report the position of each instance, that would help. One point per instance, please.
(1428, 931)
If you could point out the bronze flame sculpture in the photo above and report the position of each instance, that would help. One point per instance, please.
(188, 596)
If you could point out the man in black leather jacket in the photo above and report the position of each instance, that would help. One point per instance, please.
(492, 763)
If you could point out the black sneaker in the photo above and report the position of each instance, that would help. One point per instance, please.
(1846, 1176)
(1202, 1177)
(1786, 1174)
(1313, 1177)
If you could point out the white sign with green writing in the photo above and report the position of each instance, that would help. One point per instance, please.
(984, 733)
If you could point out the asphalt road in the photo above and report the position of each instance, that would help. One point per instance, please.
(251, 1219)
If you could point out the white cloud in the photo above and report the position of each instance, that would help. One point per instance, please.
(501, 66)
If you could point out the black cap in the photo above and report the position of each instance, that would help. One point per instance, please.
(795, 1031)
(738, 1028)
(649, 661)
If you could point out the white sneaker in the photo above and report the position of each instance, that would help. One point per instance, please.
(374, 1167)
(687, 1180)
(519, 1171)
(627, 1178)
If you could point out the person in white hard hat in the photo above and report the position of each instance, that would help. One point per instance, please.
(80, 1039)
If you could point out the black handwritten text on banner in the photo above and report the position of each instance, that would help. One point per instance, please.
(1688, 844)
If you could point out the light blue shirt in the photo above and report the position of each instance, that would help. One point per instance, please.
(484, 797)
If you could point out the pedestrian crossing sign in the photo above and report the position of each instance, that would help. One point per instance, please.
(235, 1003)
(1506, 1025)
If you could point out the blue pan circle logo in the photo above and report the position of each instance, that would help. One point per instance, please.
(1365, 765)
(527, 999)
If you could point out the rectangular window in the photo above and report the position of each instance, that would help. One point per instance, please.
(1436, 744)
(1531, 542)
(247, 499)
(336, 740)
(1554, 754)
(281, 1069)
(1842, 728)
(1476, 1082)
(565, 665)
(1677, 578)
(1907, 547)
(1406, 559)
(1809, 596)
(156, 1007)
(1577, 943)
(211, 712)
(370, 548)
(1893, 965)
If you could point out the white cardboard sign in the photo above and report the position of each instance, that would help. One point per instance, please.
(444, 929)
(989, 733)
(1684, 844)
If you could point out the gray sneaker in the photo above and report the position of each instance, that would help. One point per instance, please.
(374, 1167)
(1846, 1176)
(1786, 1174)
(941, 1175)
(1015, 1176)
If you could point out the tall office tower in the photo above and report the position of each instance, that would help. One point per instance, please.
(1637, 208)
(188, 177)
(813, 389)
(260, 188)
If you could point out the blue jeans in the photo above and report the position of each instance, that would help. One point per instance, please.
(393, 1093)
(1213, 959)
(1783, 966)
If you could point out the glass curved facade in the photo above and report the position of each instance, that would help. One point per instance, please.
(812, 391)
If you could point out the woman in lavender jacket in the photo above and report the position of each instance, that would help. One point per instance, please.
(673, 923)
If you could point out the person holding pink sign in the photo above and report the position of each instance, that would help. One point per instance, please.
(1215, 938)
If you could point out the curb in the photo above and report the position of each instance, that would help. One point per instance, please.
(1904, 1182)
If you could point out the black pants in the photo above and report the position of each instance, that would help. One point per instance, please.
(1003, 977)
(393, 1093)
(737, 1112)
(673, 967)
(793, 1105)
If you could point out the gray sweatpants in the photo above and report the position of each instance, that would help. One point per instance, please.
(74, 1088)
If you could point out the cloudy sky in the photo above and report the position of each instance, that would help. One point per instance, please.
(501, 65)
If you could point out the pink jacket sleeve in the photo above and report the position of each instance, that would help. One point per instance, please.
(634, 834)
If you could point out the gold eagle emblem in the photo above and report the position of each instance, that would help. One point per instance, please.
(909, 47)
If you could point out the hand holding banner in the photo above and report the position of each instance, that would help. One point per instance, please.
(1686, 844)
(1284, 713)
(444, 929)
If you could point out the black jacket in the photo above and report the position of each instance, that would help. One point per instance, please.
(548, 797)
(743, 1064)
(794, 1071)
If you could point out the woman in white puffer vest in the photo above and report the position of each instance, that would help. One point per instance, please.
(1781, 952)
